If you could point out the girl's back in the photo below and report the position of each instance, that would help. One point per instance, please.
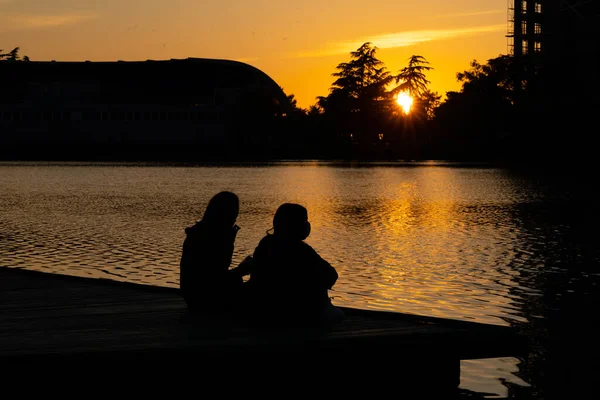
(289, 276)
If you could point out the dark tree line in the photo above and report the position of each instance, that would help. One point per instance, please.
(12, 55)
(507, 109)
(511, 108)
(360, 117)
(516, 109)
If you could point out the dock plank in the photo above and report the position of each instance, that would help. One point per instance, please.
(49, 314)
(59, 325)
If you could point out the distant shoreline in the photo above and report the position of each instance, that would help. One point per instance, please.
(565, 166)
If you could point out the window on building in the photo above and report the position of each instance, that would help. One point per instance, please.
(524, 27)
(524, 7)
(537, 47)
(537, 28)
(538, 8)
(524, 48)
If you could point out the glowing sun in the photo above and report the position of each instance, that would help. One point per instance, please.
(405, 101)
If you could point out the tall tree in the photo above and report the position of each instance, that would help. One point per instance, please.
(412, 78)
(494, 79)
(478, 120)
(364, 78)
(358, 97)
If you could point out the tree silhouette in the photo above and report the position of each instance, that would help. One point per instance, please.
(358, 100)
(493, 79)
(13, 55)
(291, 98)
(293, 105)
(431, 101)
(315, 110)
(412, 78)
(476, 120)
(363, 79)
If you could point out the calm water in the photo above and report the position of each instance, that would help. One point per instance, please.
(437, 239)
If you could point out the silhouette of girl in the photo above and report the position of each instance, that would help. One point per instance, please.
(206, 281)
(290, 280)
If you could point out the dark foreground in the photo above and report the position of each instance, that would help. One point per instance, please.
(68, 325)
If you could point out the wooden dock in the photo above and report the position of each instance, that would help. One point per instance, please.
(47, 319)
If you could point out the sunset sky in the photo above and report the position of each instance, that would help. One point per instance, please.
(297, 43)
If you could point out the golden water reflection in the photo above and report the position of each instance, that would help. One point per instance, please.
(431, 240)
(438, 240)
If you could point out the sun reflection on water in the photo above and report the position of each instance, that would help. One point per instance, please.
(432, 240)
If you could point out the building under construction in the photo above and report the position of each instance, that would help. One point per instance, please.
(552, 28)
(554, 43)
(559, 39)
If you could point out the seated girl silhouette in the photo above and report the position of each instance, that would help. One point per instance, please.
(207, 283)
(290, 280)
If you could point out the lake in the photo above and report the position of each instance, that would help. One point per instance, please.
(461, 241)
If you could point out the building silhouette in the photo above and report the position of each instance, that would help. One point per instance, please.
(554, 28)
(169, 109)
(555, 46)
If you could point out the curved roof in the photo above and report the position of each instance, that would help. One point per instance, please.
(146, 80)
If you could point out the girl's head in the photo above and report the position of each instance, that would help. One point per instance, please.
(222, 209)
(291, 221)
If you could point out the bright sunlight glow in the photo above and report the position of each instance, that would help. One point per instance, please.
(405, 101)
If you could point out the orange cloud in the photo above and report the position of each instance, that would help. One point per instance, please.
(401, 39)
(18, 21)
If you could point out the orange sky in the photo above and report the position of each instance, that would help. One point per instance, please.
(297, 43)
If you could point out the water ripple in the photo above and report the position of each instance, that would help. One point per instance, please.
(468, 243)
